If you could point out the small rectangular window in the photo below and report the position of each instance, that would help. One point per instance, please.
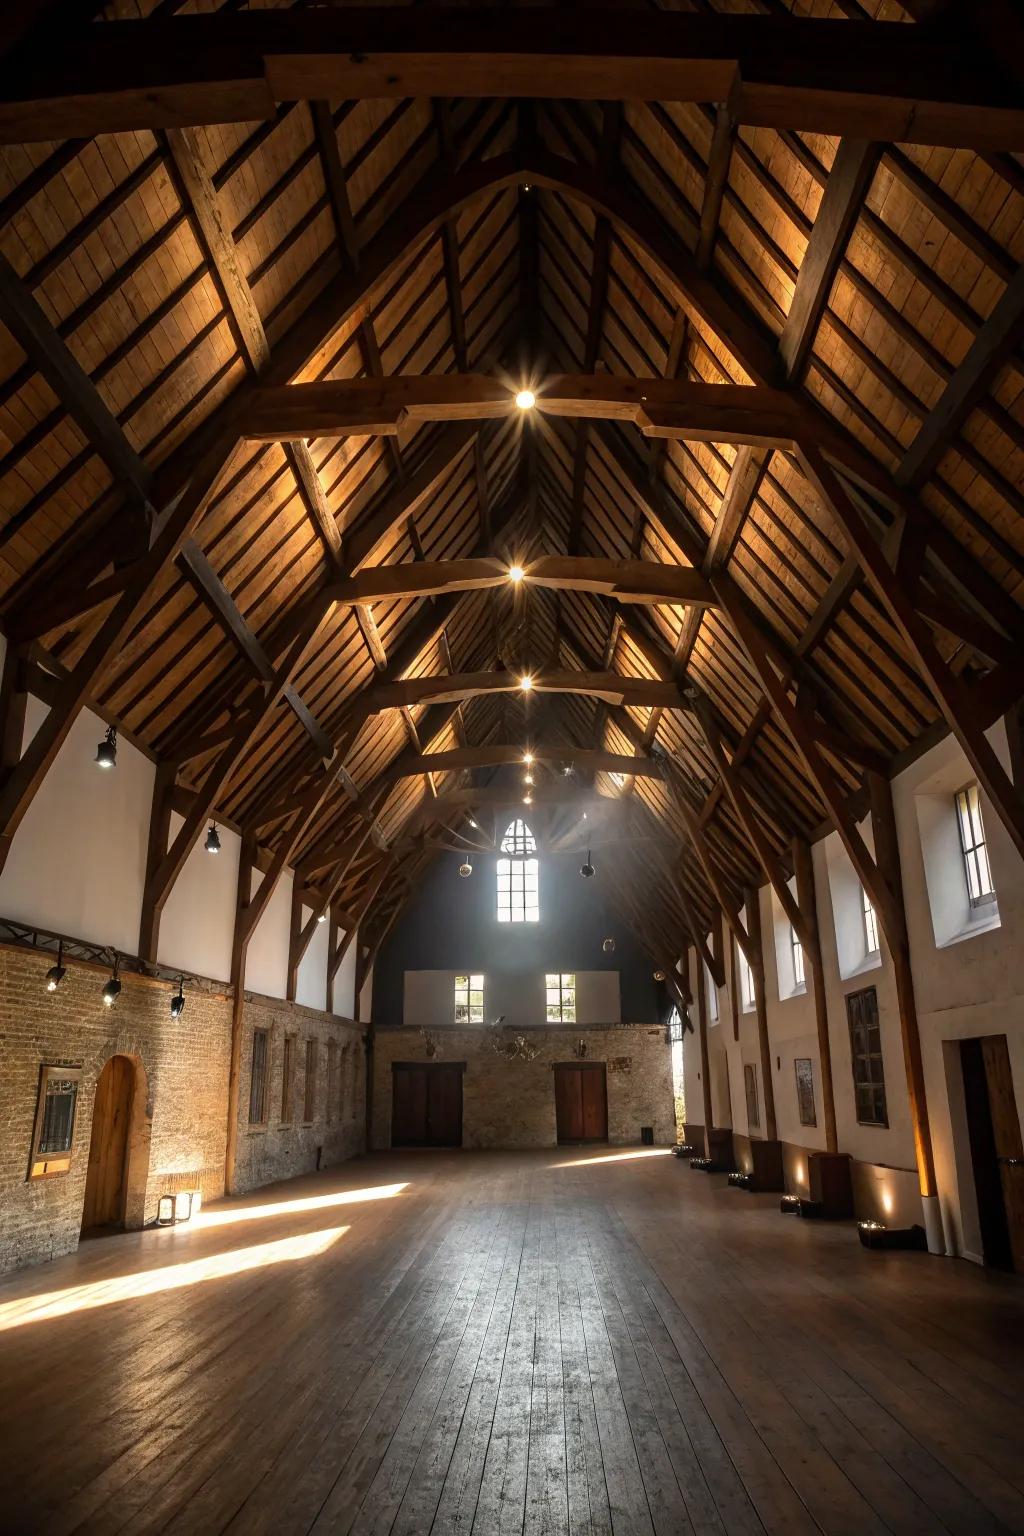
(469, 999)
(870, 921)
(750, 1088)
(980, 890)
(866, 1055)
(288, 1080)
(560, 997)
(332, 1079)
(309, 1086)
(54, 1131)
(258, 1079)
(797, 950)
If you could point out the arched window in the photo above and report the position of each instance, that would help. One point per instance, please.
(518, 876)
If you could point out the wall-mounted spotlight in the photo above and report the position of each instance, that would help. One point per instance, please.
(465, 869)
(106, 750)
(587, 869)
(55, 975)
(526, 399)
(112, 990)
(212, 844)
(178, 1000)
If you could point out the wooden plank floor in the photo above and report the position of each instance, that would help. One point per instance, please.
(580, 1342)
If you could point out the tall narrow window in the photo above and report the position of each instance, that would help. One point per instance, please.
(332, 1078)
(866, 1054)
(711, 993)
(518, 876)
(980, 889)
(797, 951)
(750, 1090)
(469, 999)
(288, 1080)
(258, 1080)
(560, 993)
(309, 1086)
(747, 983)
(870, 923)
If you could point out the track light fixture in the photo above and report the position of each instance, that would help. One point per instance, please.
(465, 869)
(587, 869)
(112, 990)
(212, 844)
(55, 975)
(178, 1000)
(106, 750)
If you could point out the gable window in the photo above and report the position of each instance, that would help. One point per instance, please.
(797, 951)
(518, 876)
(870, 921)
(980, 890)
(866, 1054)
(560, 993)
(469, 999)
(258, 1080)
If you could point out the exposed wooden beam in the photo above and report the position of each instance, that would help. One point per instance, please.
(775, 71)
(745, 477)
(629, 581)
(719, 159)
(610, 686)
(459, 759)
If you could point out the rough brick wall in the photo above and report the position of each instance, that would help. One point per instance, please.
(512, 1103)
(186, 1064)
(279, 1150)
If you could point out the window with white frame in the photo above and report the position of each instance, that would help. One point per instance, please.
(796, 949)
(746, 982)
(469, 999)
(518, 876)
(980, 890)
(870, 920)
(711, 993)
(560, 996)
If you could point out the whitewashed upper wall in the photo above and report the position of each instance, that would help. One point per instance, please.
(199, 917)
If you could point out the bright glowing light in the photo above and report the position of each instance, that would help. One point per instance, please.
(526, 683)
(614, 1157)
(527, 758)
(298, 1207)
(515, 573)
(170, 1277)
(527, 778)
(888, 1203)
(472, 822)
(526, 399)
(527, 799)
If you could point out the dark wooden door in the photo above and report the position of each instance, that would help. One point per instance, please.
(1006, 1134)
(581, 1102)
(108, 1146)
(426, 1105)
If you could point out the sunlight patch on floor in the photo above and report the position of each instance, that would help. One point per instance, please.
(614, 1157)
(298, 1207)
(149, 1282)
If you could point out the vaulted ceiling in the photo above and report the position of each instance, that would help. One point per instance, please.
(171, 264)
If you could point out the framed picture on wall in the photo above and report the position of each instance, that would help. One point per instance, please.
(750, 1088)
(804, 1069)
(54, 1131)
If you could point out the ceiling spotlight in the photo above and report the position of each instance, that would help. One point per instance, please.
(659, 975)
(473, 824)
(527, 778)
(515, 573)
(178, 1000)
(567, 770)
(212, 844)
(587, 869)
(527, 758)
(322, 917)
(526, 399)
(526, 683)
(55, 975)
(465, 869)
(527, 799)
(608, 946)
(106, 750)
(112, 990)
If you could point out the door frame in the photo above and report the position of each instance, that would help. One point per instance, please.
(428, 1066)
(585, 1066)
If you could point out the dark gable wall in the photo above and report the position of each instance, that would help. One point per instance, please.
(449, 925)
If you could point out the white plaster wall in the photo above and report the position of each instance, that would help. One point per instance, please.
(266, 966)
(78, 861)
(345, 981)
(311, 983)
(198, 920)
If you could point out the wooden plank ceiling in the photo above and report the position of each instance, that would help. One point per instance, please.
(151, 276)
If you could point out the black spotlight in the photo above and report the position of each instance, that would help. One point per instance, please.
(178, 1000)
(608, 946)
(55, 975)
(112, 990)
(465, 869)
(212, 844)
(587, 869)
(106, 750)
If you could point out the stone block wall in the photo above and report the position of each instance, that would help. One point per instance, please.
(182, 1065)
(512, 1103)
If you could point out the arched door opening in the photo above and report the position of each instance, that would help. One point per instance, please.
(118, 1149)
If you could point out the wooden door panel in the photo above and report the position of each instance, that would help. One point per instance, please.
(409, 1107)
(581, 1105)
(444, 1107)
(1008, 1142)
(108, 1146)
(595, 1105)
